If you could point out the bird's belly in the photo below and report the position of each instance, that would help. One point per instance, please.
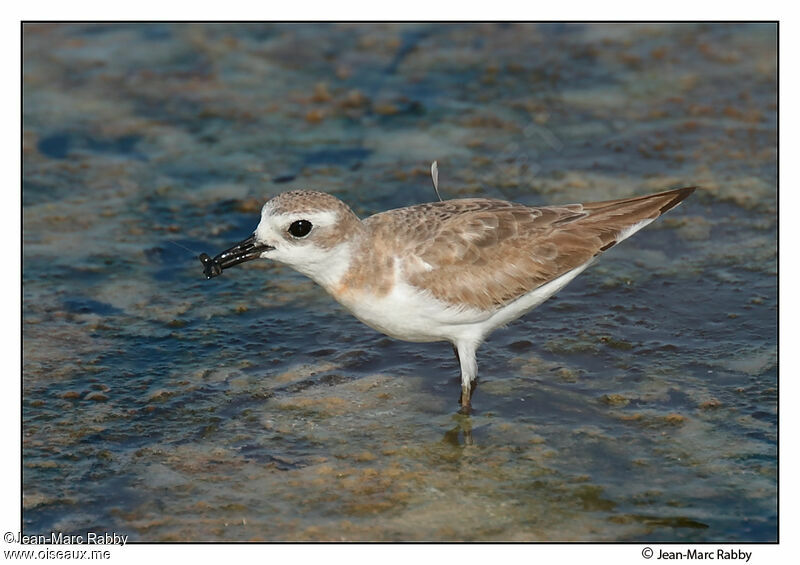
(410, 315)
(400, 327)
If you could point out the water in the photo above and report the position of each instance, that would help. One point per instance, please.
(639, 404)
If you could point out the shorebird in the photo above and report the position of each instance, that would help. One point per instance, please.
(454, 270)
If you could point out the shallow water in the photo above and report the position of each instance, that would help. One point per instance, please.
(638, 404)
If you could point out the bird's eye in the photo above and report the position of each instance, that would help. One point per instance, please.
(300, 228)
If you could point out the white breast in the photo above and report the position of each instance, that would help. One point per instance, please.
(408, 314)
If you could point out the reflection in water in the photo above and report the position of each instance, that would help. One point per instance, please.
(462, 429)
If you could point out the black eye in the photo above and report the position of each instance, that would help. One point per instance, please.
(300, 228)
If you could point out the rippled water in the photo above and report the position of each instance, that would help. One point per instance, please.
(639, 404)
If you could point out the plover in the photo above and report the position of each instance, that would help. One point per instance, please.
(445, 271)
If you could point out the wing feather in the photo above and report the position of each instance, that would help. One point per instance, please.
(486, 253)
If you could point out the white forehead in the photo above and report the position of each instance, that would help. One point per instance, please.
(320, 218)
(279, 221)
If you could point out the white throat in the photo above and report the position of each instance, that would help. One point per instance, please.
(329, 272)
(326, 267)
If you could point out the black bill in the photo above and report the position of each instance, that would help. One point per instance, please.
(245, 250)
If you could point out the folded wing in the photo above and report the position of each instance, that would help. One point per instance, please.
(487, 253)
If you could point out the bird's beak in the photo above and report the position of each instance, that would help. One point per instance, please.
(245, 250)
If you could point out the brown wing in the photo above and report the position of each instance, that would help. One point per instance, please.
(487, 253)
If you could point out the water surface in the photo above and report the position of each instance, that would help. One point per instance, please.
(638, 404)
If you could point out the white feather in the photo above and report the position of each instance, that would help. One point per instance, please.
(630, 230)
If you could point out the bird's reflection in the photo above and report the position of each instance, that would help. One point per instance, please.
(462, 429)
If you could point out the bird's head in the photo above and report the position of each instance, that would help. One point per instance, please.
(310, 231)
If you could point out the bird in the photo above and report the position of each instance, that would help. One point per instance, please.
(452, 270)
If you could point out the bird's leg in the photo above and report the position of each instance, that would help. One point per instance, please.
(458, 360)
(465, 353)
(466, 396)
